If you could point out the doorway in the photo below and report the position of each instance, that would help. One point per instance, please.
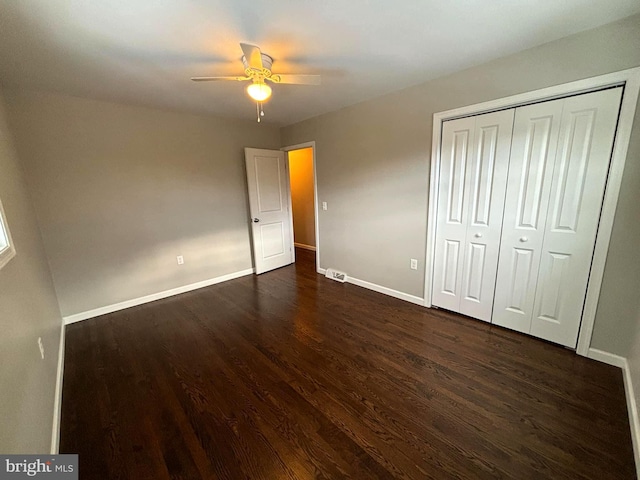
(269, 186)
(301, 163)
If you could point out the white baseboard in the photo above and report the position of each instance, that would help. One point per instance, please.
(606, 357)
(386, 291)
(380, 289)
(155, 296)
(632, 409)
(57, 404)
(306, 247)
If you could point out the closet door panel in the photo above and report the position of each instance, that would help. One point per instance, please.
(535, 138)
(451, 222)
(487, 179)
(577, 191)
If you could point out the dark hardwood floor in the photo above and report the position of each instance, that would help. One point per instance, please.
(292, 376)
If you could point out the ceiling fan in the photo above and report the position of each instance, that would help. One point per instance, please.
(257, 68)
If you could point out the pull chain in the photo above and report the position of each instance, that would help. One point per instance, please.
(259, 111)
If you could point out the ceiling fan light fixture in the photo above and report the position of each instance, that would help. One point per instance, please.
(260, 92)
(257, 69)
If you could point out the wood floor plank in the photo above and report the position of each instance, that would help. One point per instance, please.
(290, 375)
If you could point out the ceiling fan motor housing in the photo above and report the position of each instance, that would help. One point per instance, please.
(267, 62)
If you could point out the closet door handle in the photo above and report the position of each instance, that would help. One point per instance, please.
(478, 235)
(524, 239)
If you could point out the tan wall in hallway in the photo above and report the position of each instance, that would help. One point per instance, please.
(302, 198)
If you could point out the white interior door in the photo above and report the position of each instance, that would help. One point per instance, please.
(473, 173)
(486, 186)
(535, 138)
(451, 222)
(587, 132)
(269, 203)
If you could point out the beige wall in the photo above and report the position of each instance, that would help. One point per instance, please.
(28, 310)
(120, 191)
(373, 167)
(619, 307)
(302, 199)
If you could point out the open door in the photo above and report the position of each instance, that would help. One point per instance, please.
(269, 203)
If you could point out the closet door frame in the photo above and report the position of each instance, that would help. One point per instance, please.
(630, 79)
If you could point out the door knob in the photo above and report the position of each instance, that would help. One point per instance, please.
(256, 220)
(478, 235)
(523, 239)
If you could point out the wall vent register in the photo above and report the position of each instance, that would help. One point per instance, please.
(336, 275)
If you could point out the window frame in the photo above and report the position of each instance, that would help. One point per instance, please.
(10, 250)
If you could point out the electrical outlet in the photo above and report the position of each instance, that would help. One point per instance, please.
(180, 260)
(41, 346)
(414, 264)
(324, 205)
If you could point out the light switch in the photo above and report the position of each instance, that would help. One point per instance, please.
(324, 205)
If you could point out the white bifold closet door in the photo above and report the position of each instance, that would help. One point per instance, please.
(535, 141)
(473, 175)
(557, 174)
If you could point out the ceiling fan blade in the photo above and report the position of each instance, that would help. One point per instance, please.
(296, 79)
(253, 55)
(213, 79)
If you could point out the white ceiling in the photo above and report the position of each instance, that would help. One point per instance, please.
(144, 51)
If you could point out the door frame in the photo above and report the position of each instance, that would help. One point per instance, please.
(630, 80)
(300, 146)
